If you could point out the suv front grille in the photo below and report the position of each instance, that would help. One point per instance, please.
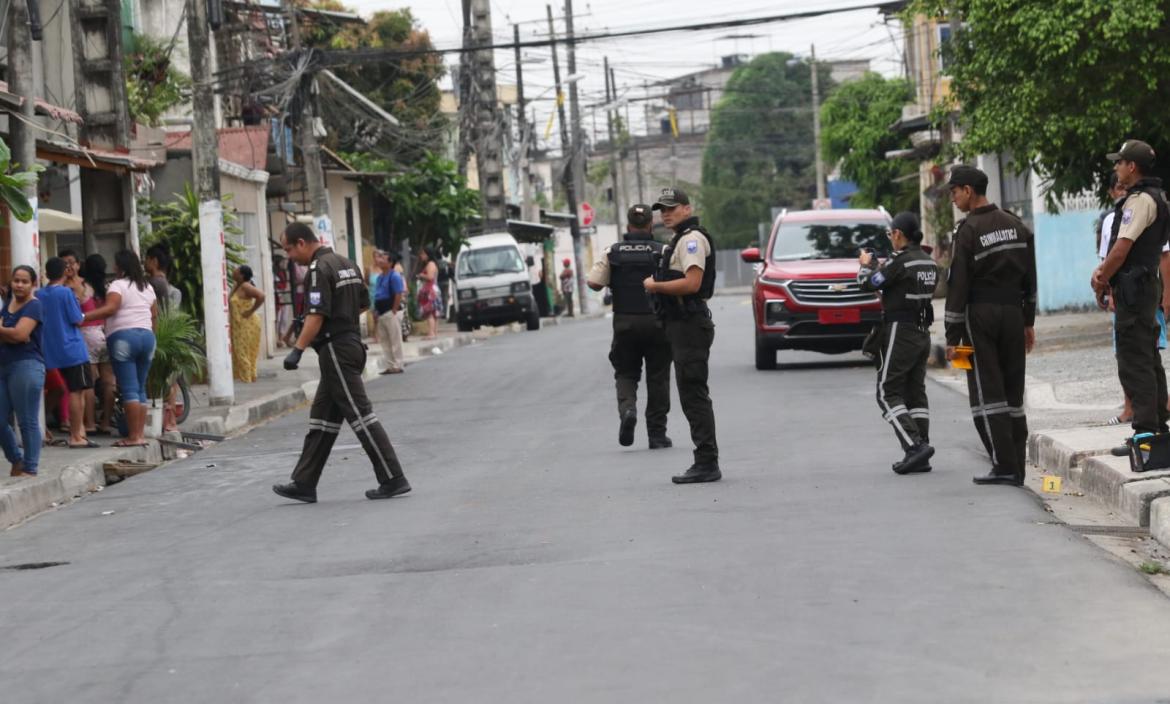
(830, 292)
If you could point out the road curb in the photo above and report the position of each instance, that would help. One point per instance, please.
(1081, 456)
(21, 499)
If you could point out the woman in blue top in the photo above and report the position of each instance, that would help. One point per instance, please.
(22, 372)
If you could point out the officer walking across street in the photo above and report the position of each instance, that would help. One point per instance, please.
(336, 299)
(683, 282)
(906, 282)
(991, 306)
(1130, 274)
(638, 335)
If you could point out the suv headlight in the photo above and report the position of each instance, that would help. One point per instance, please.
(520, 287)
(466, 294)
(774, 282)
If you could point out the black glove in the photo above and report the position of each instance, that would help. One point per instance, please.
(293, 359)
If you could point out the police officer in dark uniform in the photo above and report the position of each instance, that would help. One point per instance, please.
(906, 282)
(1130, 274)
(683, 282)
(336, 298)
(991, 305)
(637, 332)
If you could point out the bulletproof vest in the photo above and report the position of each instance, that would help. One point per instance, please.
(1147, 250)
(630, 262)
(707, 288)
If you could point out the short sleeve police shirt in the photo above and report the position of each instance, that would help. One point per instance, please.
(319, 286)
(599, 274)
(1137, 213)
(692, 250)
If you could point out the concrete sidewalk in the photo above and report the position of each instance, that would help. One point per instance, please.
(67, 474)
(1071, 393)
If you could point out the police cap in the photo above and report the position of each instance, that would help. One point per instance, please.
(1136, 151)
(640, 216)
(907, 224)
(963, 175)
(670, 197)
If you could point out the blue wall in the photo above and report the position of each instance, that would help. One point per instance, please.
(1066, 255)
(839, 192)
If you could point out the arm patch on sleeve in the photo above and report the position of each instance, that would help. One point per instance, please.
(877, 279)
(693, 247)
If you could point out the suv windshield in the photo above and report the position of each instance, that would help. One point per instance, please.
(833, 240)
(489, 261)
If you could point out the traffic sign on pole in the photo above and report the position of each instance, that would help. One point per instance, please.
(587, 214)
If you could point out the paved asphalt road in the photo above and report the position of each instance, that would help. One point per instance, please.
(538, 561)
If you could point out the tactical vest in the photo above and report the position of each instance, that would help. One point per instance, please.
(707, 288)
(630, 262)
(1147, 250)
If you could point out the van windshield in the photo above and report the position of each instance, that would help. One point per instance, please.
(829, 240)
(489, 261)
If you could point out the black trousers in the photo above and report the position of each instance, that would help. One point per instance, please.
(690, 345)
(1139, 363)
(995, 384)
(901, 382)
(341, 394)
(638, 338)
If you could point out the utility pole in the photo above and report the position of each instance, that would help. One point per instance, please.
(488, 157)
(212, 249)
(310, 150)
(526, 209)
(575, 116)
(567, 172)
(466, 123)
(610, 96)
(816, 111)
(621, 152)
(26, 244)
(638, 170)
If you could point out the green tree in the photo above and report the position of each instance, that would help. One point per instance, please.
(430, 202)
(759, 151)
(12, 184)
(1058, 84)
(175, 223)
(153, 84)
(406, 88)
(855, 132)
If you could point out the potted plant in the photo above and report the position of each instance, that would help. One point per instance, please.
(177, 352)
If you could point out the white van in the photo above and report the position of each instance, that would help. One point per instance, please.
(492, 285)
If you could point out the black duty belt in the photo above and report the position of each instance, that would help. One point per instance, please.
(902, 316)
(998, 296)
(327, 337)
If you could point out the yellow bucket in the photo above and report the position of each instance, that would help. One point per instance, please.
(962, 358)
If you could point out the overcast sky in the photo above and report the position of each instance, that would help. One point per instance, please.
(859, 34)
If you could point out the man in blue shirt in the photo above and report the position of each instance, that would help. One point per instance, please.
(64, 348)
(388, 294)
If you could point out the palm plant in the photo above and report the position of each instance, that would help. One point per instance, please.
(178, 351)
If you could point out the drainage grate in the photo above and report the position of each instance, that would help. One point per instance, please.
(33, 565)
(1129, 531)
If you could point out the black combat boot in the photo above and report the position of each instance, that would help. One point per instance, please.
(296, 493)
(917, 460)
(626, 432)
(699, 473)
(997, 477)
(395, 487)
(659, 442)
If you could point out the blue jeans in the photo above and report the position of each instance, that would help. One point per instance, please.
(131, 352)
(21, 386)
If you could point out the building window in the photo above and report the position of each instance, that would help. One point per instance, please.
(944, 38)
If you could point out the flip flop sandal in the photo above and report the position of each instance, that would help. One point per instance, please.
(89, 445)
(1116, 420)
(123, 443)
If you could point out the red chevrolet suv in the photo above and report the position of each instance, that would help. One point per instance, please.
(806, 295)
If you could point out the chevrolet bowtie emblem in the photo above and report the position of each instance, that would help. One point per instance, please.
(838, 287)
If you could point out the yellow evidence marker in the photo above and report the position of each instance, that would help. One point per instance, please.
(1050, 484)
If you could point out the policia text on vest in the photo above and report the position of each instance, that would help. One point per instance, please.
(1130, 276)
(683, 282)
(991, 306)
(901, 343)
(336, 299)
(638, 335)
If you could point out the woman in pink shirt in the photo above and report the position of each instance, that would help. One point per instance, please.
(93, 272)
(130, 311)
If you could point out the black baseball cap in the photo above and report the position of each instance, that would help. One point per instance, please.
(908, 223)
(1136, 151)
(671, 197)
(640, 215)
(964, 175)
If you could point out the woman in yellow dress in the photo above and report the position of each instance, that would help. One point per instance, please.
(245, 300)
